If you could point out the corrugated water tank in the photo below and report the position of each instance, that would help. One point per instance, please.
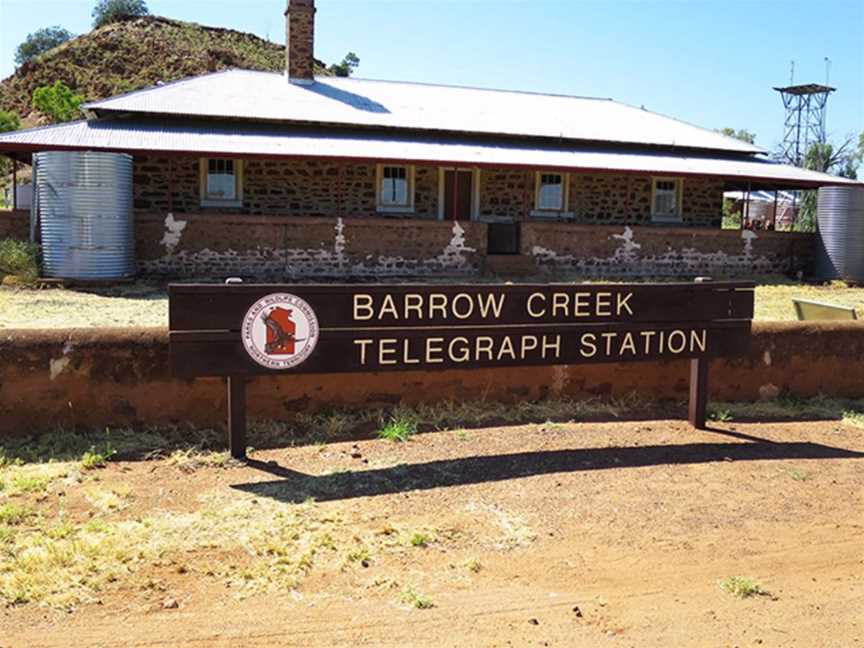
(84, 200)
(840, 223)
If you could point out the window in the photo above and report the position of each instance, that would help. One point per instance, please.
(666, 200)
(395, 188)
(551, 192)
(221, 182)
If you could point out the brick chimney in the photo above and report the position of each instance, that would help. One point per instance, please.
(299, 40)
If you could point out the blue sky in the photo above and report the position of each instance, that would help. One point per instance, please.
(712, 63)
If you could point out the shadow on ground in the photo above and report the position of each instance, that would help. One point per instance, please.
(298, 487)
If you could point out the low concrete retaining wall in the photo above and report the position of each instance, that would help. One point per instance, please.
(101, 377)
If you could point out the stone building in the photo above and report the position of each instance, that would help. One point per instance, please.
(289, 175)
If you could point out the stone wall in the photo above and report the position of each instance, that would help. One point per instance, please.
(602, 250)
(506, 193)
(334, 188)
(108, 377)
(276, 187)
(599, 198)
(218, 245)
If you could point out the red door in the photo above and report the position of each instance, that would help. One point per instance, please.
(458, 194)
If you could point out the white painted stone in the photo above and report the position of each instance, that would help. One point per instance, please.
(334, 261)
(629, 248)
(748, 236)
(173, 232)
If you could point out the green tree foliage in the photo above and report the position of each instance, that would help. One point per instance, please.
(9, 121)
(57, 101)
(346, 67)
(40, 42)
(841, 160)
(107, 11)
(740, 134)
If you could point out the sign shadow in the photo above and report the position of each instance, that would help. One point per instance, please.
(296, 487)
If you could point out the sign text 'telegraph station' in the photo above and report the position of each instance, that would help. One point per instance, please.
(253, 329)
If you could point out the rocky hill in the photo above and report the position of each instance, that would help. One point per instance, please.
(135, 53)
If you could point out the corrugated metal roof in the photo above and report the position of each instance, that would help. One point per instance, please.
(227, 139)
(245, 94)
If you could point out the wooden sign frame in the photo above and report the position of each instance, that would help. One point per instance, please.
(231, 329)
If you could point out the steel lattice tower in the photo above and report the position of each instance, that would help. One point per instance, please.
(805, 119)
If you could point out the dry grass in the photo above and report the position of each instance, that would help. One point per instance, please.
(138, 304)
(850, 412)
(146, 304)
(774, 297)
(192, 459)
(275, 544)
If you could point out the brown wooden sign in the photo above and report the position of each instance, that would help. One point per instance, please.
(239, 330)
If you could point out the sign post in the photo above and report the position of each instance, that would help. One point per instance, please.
(240, 330)
(237, 416)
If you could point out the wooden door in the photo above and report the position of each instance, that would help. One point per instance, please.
(458, 194)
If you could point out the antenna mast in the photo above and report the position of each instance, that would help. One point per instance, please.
(806, 107)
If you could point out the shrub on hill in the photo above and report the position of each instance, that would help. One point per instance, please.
(40, 42)
(57, 101)
(107, 11)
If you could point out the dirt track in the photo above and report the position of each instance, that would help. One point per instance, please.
(543, 535)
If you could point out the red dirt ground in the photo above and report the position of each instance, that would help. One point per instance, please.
(589, 534)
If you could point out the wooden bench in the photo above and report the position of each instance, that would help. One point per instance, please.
(238, 330)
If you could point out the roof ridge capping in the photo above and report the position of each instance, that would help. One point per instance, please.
(430, 84)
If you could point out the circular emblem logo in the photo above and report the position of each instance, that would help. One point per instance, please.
(280, 331)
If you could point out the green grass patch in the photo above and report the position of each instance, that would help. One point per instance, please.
(401, 426)
(30, 483)
(719, 415)
(13, 514)
(741, 587)
(420, 540)
(415, 599)
(96, 457)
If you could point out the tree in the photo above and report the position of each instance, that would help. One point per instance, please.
(57, 101)
(740, 134)
(8, 122)
(108, 11)
(40, 42)
(840, 160)
(346, 67)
